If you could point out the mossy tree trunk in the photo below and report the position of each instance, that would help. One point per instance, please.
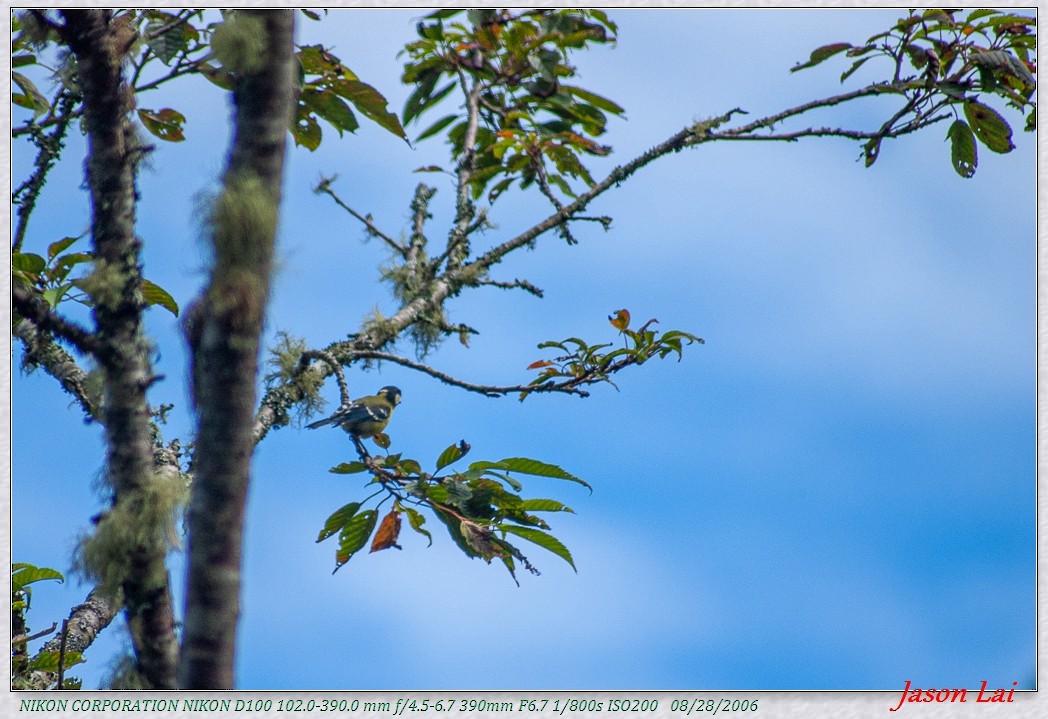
(224, 329)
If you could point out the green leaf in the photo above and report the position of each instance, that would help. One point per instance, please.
(416, 519)
(338, 520)
(991, 129)
(423, 97)
(58, 246)
(33, 99)
(594, 99)
(370, 102)
(218, 76)
(47, 661)
(500, 187)
(532, 467)
(436, 127)
(24, 574)
(544, 505)
(165, 123)
(154, 294)
(976, 14)
(22, 60)
(1005, 62)
(65, 262)
(505, 478)
(348, 468)
(168, 45)
(409, 467)
(956, 90)
(28, 262)
(332, 108)
(354, 536)
(53, 295)
(306, 131)
(481, 16)
(452, 454)
(871, 149)
(855, 66)
(963, 153)
(546, 541)
(821, 54)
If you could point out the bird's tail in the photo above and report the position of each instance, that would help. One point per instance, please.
(319, 423)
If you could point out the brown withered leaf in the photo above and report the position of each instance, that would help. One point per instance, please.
(387, 533)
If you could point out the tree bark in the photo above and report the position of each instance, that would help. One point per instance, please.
(122, 351)
(224, 329)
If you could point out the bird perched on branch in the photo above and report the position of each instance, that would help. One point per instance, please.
(365, 416)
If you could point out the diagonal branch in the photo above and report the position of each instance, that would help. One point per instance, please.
(324, 188)
(31, 307)
(43, 351)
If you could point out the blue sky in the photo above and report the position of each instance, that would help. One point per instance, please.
(835, 492)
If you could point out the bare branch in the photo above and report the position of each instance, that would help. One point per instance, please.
(830, 132)
(458, 239)
(85, 621)
(566, 387)
(514, 285)
(324, 188)
(42, 350)
(49, 147)
(420, 213)
(33, 308)
(336, 368)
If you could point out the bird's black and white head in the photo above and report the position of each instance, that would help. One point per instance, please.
(391, 393)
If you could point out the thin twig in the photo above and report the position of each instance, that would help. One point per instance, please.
(324, 188)
(61, 655)
(336, 368)
(49, 147)
(566, 387)
(164, 29)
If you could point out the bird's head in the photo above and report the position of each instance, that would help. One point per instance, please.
(392, 394)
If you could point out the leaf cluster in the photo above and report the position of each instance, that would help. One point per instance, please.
(584, 363)
(535, 127)
(988, 52)
(24, 667)
(50, 277)
(327, 90)
(184, 43)
(480, 506)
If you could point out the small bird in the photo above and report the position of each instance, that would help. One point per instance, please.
(365, 416)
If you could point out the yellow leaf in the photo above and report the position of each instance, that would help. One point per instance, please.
(620, 320)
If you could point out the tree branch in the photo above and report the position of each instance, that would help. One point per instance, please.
(565, 387)
(85, 622)
(41, 350)
(457, 249)
(324, 188)
(31, 307)
(123, 352)
(49, 148)
(225, 341)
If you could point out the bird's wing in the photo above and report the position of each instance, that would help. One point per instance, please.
(353, 413)
(376, 413)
